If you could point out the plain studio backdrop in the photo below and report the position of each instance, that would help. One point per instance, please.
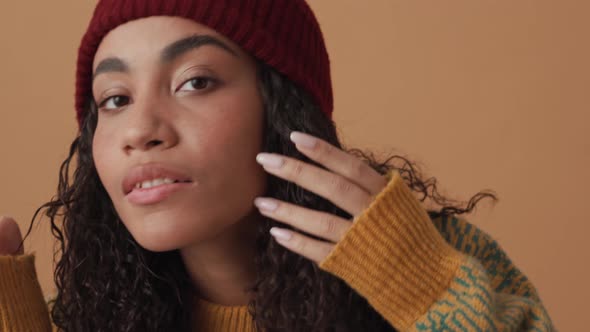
(483, 94)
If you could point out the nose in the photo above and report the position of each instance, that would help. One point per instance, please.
(148, 127)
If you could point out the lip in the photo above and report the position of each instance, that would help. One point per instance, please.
(152, 171)
(155, 194)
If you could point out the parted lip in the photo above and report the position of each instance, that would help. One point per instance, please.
(151, 171)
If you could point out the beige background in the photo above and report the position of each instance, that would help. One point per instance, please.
(484, 94)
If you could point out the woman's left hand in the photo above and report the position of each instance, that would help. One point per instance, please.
(351, 185)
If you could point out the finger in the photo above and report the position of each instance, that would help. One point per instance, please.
(10, 237)
(321, 224)
(337, 189)
(339, 161)
(305, 246)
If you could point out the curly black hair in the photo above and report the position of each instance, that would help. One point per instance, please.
(107, 282)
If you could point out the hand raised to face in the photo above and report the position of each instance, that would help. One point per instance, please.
(348, 182)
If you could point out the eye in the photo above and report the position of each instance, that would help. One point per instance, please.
(197, 83)
(114, 102)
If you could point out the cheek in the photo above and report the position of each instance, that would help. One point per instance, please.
(236, 136)
(229, 126)
(242, 117)
(104, 162)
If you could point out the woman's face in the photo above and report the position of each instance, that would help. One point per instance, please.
(176, 105)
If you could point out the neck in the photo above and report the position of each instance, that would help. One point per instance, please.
(222, 268)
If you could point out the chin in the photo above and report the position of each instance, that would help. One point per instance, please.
(156, 234)
(160, 242)
(157, 246)
(160, 234)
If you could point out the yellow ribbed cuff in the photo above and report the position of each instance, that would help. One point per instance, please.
(394, 256)
(22, 307)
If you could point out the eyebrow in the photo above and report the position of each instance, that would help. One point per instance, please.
(168, 54)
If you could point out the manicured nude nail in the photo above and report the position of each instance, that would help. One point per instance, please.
(280, 234)
(265, 204)
(304, 140)
(269, 160)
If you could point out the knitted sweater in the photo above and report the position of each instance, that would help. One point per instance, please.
(420, 272)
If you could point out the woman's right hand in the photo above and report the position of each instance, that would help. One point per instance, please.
(10, 237)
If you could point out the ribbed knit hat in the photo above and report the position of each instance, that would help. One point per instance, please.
(282, 33)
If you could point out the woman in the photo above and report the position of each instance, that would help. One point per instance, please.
(175, 221)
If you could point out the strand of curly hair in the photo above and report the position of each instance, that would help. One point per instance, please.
(107, 282)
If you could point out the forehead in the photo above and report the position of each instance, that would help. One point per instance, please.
(148, 36)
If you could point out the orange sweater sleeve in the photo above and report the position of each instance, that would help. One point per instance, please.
(431, 275)
(22, 306)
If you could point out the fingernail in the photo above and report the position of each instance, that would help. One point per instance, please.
(305, 140)
(265, 204)
(280, 234)
(269, 160)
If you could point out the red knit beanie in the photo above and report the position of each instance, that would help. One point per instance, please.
(282, 33)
